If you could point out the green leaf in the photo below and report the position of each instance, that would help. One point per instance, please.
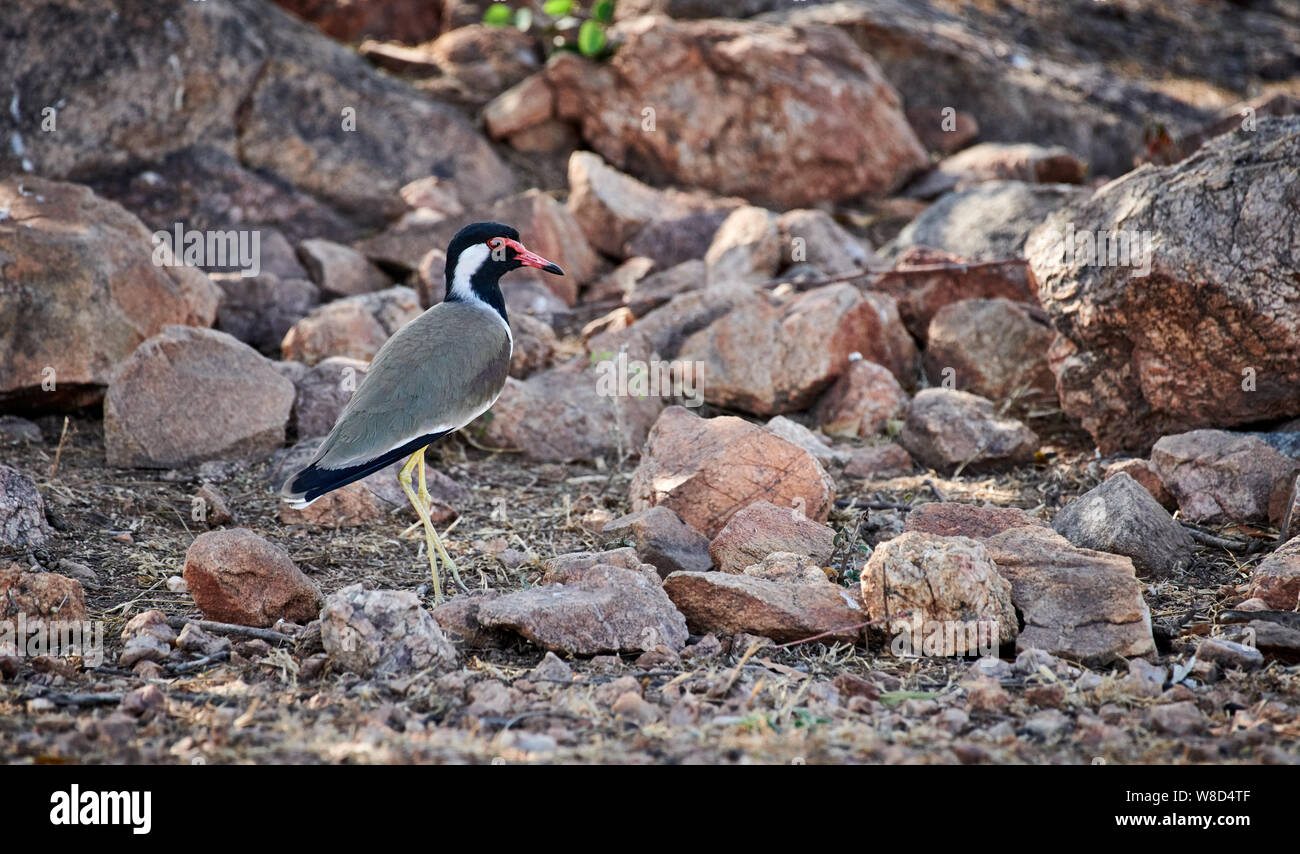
(497, 15)
(523, 19)
(591, 38)
(557, 8)
(603, 11)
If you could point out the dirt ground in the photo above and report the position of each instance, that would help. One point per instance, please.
(802, 703)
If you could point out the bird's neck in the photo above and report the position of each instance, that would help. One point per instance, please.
(475, 282)
(487, 293)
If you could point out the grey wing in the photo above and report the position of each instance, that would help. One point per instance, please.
(436, 374)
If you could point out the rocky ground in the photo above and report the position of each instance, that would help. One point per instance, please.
(841, 356)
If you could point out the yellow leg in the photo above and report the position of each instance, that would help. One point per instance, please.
(437, 541)
(429, 536)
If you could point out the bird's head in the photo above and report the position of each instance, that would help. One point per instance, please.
(481, 253)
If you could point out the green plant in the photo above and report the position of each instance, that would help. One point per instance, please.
(563, 24)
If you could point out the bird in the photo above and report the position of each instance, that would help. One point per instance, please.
(436, 374)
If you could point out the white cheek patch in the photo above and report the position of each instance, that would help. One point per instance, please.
(466, 266)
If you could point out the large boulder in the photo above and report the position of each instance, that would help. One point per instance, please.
(1121, 517)
(996, 348)
(817, 119)
(708, 469)
(1190, 315)
(1219, 477)
(188, 395)
(235, 70)
(81, 292)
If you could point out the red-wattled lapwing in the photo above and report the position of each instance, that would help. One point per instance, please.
(435, 375)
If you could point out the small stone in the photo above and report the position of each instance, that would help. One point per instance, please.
(196, 640)
(214, 509)
(382, 633)
(1229, 654)
(235, 576)
(146, 637)
(940, 580)
(951, 519)
(879, 462)
(1122, 517)
(663, 540)
(551, 669)
(861, 402)
(763, 528)
(1178, 719)
(729, 603)
(949, 430)
(1276, 580)
(632, 705)
(143, 701)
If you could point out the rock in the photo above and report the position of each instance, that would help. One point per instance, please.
(458, 617)
(1289, 529)
(1218, 476)
(762, 528)
(149, 421)
(1137, 358)
(484, 61)
(946, 430)
(989, 221)
(357, 137)
(535, 345)
(602, 609)
(789, 568)
(14, 429)
(1229, 655)
(745, 248)
(146, 637)
(707, 469)
(260, 310)
(195, 640)
(663, 540)
(613, 208)
(619, 282)
(674, 241)
(355, 327)
(861, 402)
(797, 434)
(571, 567)
(211, 507)
(1020, 87)
(207, 189)
(783, 611)
(81, 293)
(377, 633)
(879, 462)
(924, 280)
(22, 511)
(339, 270)
(551, 669)
(950, 519)
(811, 236)
(524, 105)
(1178, 719)
(405, 21)
(1145, 474)
(569, 412)
(235, 576)
(1121, 517)
(79, 572)
(1082, 605)
(39, 598)
(939, 580)
(941, 131)
(549, 229)
(323, 391)
(1274, 640)
(995, 348)
(769, 357)
(1276, 580)
(1000, 161)
(832, 125)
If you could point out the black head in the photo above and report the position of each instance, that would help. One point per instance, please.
(480, 254)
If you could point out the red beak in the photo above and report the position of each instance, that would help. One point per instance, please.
(532, 259)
